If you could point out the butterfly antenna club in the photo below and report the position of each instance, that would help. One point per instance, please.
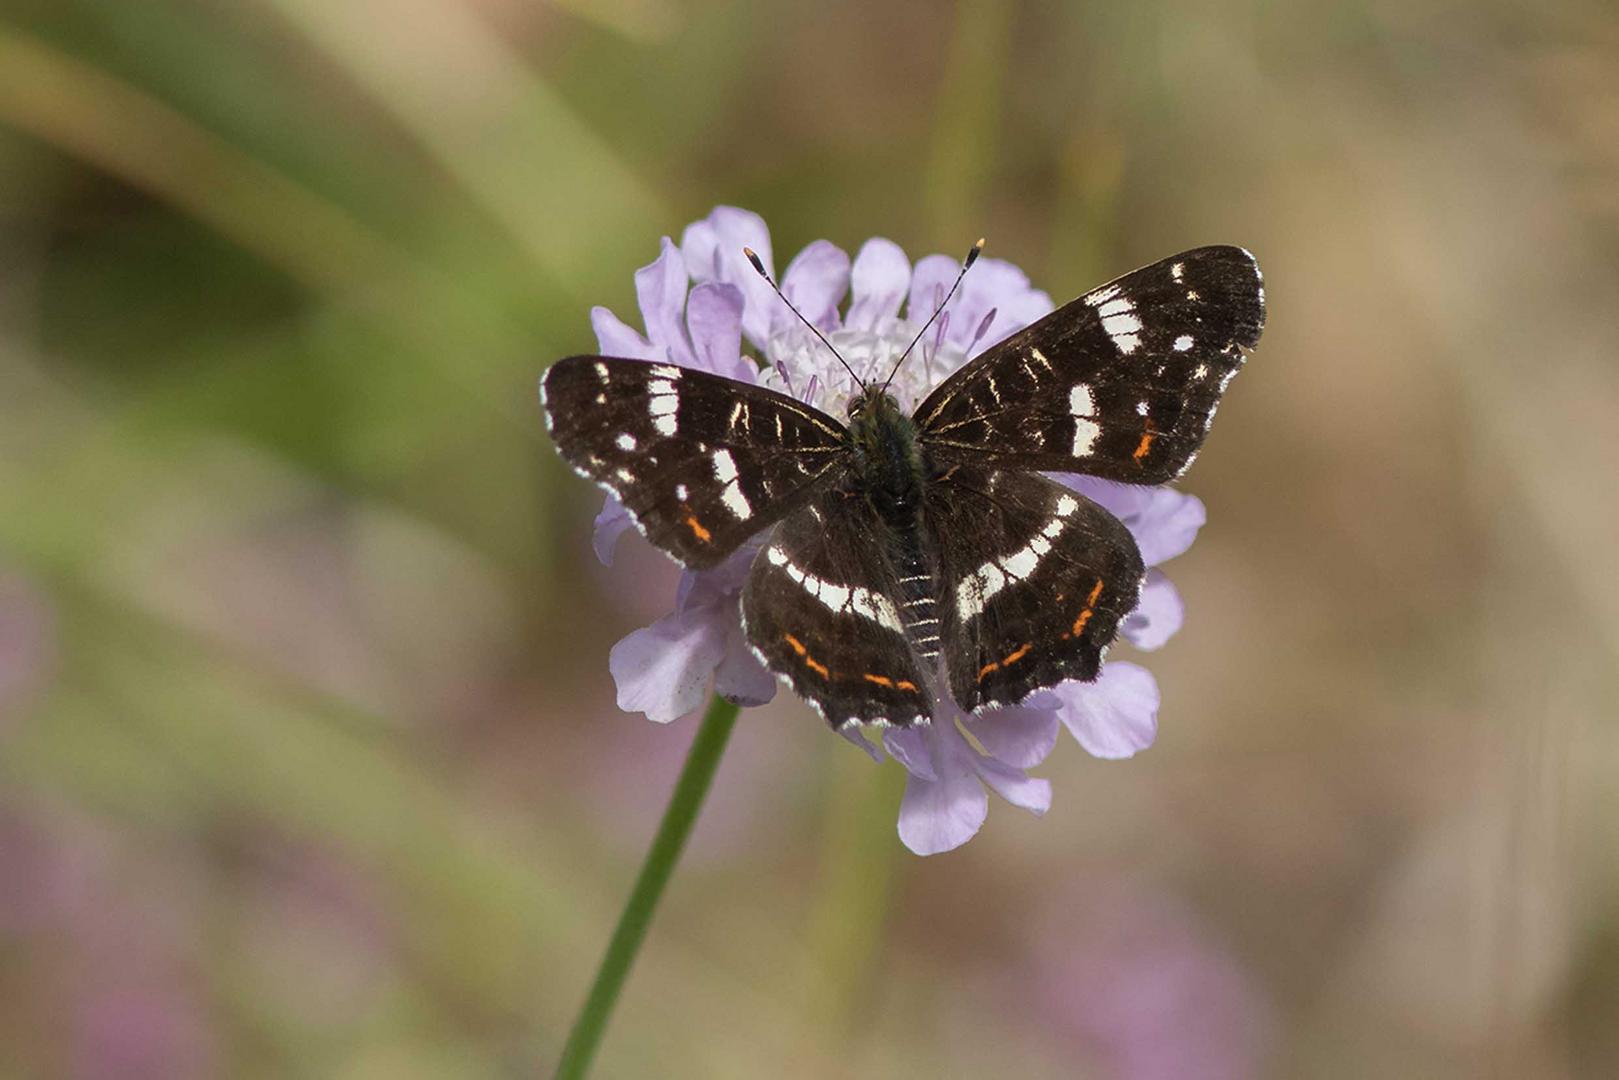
(966, 265)
(759, 266)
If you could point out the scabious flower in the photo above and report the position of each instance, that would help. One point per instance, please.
(699, 300)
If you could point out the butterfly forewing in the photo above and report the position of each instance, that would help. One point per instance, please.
(1034, 580)
(1121, 383)
(701, 462)
(826, 606)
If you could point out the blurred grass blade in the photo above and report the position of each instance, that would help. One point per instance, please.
(111, 124)
(966, 119)
(496, 127)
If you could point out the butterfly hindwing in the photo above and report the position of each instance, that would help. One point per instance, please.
(825, 607)
(1034, 580)
(1121, 383)
(700, 461)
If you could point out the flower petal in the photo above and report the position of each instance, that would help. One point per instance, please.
(718, 586)
(853, 734)
(939, 815)
(660, 286)
(714, 318)
(994, 284)
(879, 282)
(611, 524)
(1163, 521)
(1115, 716)
(713, 252)
(910, 748)
(740, 678)
(1016, 786)
(816, 281)
(1020, 736)
(1157, 617)
(663, 669)
(929, 284)
(616, 339)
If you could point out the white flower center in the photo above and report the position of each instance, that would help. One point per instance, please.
(797, 364)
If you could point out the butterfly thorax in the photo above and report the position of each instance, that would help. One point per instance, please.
(887, 456)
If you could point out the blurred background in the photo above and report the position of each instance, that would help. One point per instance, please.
(309, 757)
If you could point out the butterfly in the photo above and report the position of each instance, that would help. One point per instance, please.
(907, 557)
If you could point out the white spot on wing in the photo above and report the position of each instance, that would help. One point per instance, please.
(1021, 564)
(681, 492)
(833, 596)
(724, 466)
(978, 587)
(1101, 296)
(731, 494)
(626, 441)
(1118, 318)
(1081, 402)
(1183, 343)
(847, 599)
(1085, 435)
(1177, 271)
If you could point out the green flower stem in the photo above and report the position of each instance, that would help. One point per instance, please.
(690, 790)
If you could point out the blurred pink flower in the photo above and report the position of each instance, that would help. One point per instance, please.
(110, 927)
(1131, 977)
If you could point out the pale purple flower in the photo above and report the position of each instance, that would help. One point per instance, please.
(699, 301)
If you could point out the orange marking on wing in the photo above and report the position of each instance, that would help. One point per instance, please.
(880, 680)
(809, 661)
(697, 527)
(1018, 653)
(1085, 616)
(1145, 444)
(905, 684)
(984, 671)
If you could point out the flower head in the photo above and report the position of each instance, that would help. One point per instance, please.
(699, 301)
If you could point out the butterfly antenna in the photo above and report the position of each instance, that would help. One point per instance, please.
(759, 265)
(966, 264)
